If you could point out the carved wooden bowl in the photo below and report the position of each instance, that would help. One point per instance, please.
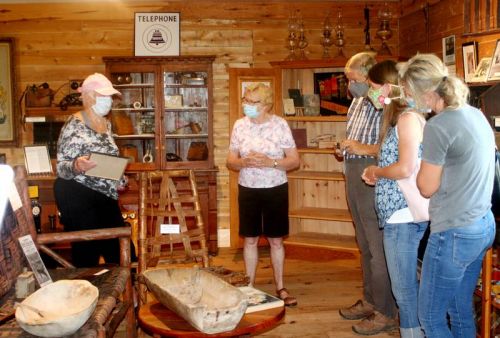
(58, 309)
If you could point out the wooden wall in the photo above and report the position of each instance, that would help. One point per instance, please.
(56, 42)
(424, 23)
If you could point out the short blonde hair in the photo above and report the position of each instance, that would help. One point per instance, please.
(424, 73)
(361, 62)
(264, 91)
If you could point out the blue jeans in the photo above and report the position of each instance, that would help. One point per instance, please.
(401, 241)
(451, 266)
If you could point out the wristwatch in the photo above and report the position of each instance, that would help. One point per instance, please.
(275, 164)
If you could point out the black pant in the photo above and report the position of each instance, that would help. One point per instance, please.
(82, 208)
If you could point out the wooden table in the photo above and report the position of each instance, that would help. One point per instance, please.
(159, 321)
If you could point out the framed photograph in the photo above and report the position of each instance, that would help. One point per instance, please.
(173, 101)
(494, 72)
(481, 70)
(157, 34)
(469, 55)
(449, 50)
(37, 160)
(8, 116)
(288, 107)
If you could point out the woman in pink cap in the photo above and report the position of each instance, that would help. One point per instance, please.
(87, 202)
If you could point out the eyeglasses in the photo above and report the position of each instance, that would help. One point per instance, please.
(247, 101)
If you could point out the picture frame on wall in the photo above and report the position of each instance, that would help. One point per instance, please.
(469, 57)
(157, 34)
(481, 72)
(8, 116)
(494, 71)
(449, 50)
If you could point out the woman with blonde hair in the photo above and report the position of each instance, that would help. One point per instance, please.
(457, 173)
(400, 150)
(262, 149)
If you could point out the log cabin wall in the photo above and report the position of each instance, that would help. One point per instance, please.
(424, 23)
(56, 42)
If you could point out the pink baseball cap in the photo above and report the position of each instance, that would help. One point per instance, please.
(98, 83)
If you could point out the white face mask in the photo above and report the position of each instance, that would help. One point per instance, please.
(102, 105)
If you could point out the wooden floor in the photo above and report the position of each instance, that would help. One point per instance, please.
(321, 289)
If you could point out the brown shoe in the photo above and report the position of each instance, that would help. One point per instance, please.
(374, 324)
(284, 295)
(359, 310)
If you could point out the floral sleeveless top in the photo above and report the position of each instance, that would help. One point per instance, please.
(388, 196)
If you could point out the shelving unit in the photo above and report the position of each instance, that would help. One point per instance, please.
(319, 215)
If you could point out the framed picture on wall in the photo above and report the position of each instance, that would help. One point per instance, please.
(469, 55)
(494, 72)
(8, 120)
(449, 50)
(481, 70)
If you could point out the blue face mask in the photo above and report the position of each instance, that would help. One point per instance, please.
(358, 89)
(250, 111)
(411, 102)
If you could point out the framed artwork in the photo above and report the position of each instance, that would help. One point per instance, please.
(449, 50)
(469, 55)
(8, 116)
(157, 34)
(494, 72)
(482, 70)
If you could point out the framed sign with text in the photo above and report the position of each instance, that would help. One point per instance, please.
(157, 34)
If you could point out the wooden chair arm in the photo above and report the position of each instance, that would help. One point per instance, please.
(83, 235)
(123, 233)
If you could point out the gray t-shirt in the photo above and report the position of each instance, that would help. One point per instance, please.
(461, 141)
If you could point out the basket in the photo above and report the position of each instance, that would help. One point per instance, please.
(40, 97)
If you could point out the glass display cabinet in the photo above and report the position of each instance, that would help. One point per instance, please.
(163, 119)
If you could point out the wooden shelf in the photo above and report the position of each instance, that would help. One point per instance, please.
(317, 175)
(134, 85)
(183, 136)
(316, 150)
(51, 111)
(483, 83)
(322, 63)
(185, 109)
(325, 214)
(134, 137)
(331, 118)
(134, 110)
(323, 241)
(181, 85)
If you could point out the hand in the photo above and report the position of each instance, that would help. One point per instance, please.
(257, 160)
(352, 147)
(83, 164)
(369, 176)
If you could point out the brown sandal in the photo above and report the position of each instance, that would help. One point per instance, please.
(284, 295)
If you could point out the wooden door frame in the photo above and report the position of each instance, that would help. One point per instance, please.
(238, 76)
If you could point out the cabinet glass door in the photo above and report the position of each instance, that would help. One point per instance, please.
(133, 117)
(185, 119)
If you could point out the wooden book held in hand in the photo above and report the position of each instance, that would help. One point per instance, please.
(259, 300)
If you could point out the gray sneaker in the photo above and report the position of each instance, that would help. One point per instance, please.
(374, 324)
(359, 310)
